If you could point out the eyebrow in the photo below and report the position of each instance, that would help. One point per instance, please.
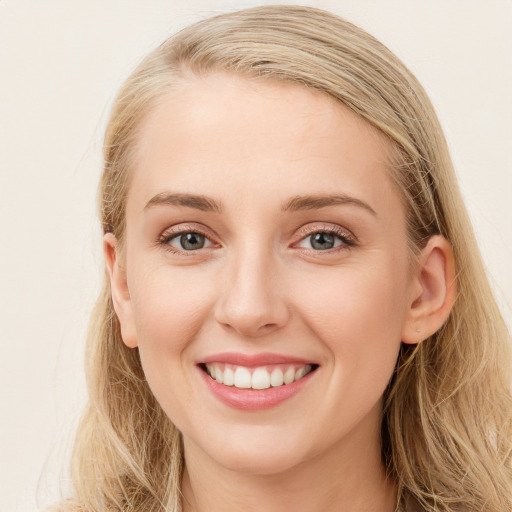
(316, 201)
(298, 203)
(198, 202)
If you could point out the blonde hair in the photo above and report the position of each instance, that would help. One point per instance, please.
(447, 428)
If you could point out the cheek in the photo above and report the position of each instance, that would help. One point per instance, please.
(169, 306)
(358, 315)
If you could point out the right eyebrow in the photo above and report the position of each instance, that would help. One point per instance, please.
(198, 202)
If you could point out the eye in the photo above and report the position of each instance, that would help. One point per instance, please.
(326, 240)
(323, 241)
(186, 241)
(189, 241)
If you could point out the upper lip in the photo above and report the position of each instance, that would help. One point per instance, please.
(262, 359)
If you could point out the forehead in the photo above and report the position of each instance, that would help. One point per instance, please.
(228, 133)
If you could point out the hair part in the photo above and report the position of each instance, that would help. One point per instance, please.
(447, 428)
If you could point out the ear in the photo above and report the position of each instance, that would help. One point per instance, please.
(119, 290)
(432, 291)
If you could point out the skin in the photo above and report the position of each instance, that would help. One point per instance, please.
(258, 285)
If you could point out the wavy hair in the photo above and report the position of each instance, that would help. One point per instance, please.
(447, 428)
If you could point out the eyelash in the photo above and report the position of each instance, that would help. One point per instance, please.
(165, 239)
(348, 240)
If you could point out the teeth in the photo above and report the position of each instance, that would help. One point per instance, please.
(289, 375)
(298, 374)
(242, 378)
(276, 378)
(260, 378)
(229, 377)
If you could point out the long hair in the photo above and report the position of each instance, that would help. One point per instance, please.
(447, 428)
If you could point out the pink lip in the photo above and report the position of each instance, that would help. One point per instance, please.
(253, 399)
(253, 360)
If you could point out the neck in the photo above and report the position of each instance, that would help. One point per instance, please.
(349, 476)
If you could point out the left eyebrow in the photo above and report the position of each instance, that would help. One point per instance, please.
(314, 202)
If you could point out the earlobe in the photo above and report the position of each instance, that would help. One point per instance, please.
(433, 291)
(119, 290)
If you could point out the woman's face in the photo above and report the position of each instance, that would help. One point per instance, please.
(266, 245)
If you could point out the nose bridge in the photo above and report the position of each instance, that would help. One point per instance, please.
(252, 302)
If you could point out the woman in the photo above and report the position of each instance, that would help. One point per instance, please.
(295, 314)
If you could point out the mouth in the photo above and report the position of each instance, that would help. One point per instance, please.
(255, 382)
(257, 377)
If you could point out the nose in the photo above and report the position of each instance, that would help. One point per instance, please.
(252, 302)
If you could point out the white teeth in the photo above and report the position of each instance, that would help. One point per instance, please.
(289, 375)
(243, 378)
(260, 378)
(302, 371)
(276, 378)
(229, 377)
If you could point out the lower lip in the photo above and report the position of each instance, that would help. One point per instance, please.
(254, 399)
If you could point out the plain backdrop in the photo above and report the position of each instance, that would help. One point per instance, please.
(60, 65)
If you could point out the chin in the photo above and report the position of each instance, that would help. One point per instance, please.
(262, 453)
(258, 464)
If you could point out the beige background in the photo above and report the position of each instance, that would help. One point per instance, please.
(60, 65)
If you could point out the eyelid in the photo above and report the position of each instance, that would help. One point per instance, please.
(323, 227)
(344, 234)
(174, 231)
(303, 232)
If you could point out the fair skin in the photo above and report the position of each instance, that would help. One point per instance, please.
(222, 258)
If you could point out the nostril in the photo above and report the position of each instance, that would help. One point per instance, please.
(252, 307)
(250, 326)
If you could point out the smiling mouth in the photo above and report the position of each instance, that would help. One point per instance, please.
(258, 378)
